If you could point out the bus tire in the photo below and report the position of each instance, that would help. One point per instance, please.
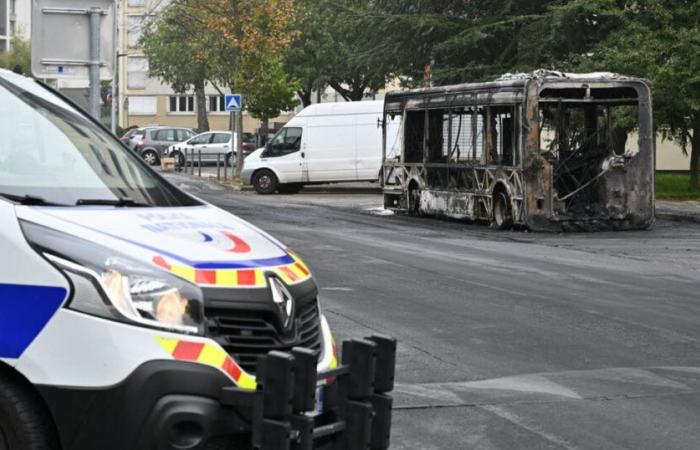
(502, 211)
(25, 423)
(265, 182)
(413, 199)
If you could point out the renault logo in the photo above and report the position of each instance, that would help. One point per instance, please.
(284, 302)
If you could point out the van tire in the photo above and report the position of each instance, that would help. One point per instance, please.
(290, 188)
(25, 423)
(265, 182)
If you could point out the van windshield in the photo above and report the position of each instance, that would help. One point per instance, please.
(52, 153)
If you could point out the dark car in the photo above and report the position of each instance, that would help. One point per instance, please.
(150, 142)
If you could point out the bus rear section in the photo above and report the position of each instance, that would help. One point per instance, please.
(544, 151)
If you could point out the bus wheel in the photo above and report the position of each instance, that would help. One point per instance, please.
(414, 200)
(502, 211)
(24, 422)
(264, 182)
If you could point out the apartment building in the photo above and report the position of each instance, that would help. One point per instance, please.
(145, 100)
(15, 16)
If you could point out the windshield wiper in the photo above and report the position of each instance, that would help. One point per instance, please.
(29, 200)
(119, 203)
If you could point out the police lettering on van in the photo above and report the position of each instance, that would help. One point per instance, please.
(133, 315)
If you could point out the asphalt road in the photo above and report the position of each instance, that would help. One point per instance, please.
(508, 340)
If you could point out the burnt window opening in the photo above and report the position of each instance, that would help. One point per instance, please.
(578, 139)
(414, 136)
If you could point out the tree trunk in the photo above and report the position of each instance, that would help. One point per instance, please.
(304, 96)
(201, 102)
(695, 154)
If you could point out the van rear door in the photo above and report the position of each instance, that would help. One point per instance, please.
(368, 153)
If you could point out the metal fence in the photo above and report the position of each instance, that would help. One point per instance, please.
(224, 169)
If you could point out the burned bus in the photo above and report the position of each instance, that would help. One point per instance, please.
(544, 150)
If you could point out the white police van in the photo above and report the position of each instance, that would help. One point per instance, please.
(133, 315)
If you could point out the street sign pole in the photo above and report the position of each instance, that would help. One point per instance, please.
(234, 105)
(95, 19)
(239, 144)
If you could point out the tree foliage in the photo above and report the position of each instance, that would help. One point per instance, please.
(179, 57)
(236, 43)
(18, 57)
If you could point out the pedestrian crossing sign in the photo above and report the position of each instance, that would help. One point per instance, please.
(233, 102)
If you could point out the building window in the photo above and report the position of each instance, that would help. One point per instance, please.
(217, 104)
(137, 72)
(134, 27)
(183, 104)
(143, 106)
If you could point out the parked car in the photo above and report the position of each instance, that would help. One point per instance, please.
(128, 133)
(325, 143)
(213, 145)
(150, 142)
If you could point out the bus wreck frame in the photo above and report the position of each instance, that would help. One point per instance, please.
(475, 151)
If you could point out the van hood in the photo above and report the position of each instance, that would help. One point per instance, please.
(202, 244)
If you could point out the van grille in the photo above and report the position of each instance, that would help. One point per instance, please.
(246, 334)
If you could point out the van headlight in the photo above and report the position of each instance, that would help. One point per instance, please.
(118, 287)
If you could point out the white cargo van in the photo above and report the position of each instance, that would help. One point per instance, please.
(325, 143)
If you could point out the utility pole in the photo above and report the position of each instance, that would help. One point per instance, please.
(239, 142)
(95, 19)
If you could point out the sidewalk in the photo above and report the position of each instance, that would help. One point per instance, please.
(687, 211)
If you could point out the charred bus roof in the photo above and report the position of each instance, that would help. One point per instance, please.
(510, 88)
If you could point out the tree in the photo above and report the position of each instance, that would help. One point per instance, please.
(268, 86)
(655, 39)
(18, 57)
(333, 48)
(305, 59)
(179, 57)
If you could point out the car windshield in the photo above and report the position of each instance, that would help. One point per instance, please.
(51, 152)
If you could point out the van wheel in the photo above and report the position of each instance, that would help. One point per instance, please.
(150, 157)
(24, 422)
(502, 211)
(290, 188)
(264, 182)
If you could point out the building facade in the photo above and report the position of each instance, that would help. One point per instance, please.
(15, 16)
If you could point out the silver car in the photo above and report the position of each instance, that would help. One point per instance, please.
(213, 146)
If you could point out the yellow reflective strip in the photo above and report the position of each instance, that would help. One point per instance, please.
(284, 276)
(212, 355)
(168, 344)
(185, 272)
(246, 381)
(299, 273)
(227, 277)
(260, 278)
(334, 363)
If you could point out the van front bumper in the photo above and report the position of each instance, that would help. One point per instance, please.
(169, 405)
(247, 176)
